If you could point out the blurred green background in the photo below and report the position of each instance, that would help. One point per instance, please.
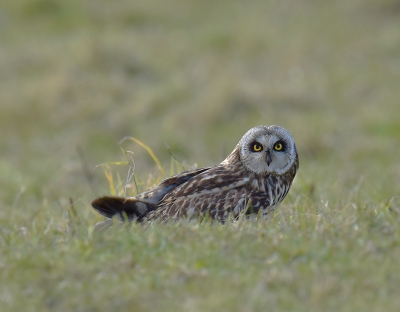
(77, 76)
(197, 75)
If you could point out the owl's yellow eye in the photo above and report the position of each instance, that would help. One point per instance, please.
(257, 147)
(278, 146)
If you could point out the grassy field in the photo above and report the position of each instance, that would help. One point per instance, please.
(78, 76)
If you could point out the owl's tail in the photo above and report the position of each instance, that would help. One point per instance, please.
(124, 208)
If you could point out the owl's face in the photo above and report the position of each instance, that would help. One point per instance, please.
(268, 150)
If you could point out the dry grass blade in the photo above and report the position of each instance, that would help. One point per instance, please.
(147, 148)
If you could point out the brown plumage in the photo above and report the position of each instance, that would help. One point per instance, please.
(253, 179)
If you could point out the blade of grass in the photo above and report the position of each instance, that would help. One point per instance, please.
(147, 148)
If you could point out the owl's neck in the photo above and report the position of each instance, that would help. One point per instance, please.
(233, 159)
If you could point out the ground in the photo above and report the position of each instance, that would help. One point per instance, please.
(78, 76)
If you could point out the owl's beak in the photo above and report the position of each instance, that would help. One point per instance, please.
(269, 159)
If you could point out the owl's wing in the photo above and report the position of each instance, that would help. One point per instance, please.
(137, 207)
(153, 196)
(216, 179)
(216, 192)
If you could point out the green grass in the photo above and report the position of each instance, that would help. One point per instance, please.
(78, 76)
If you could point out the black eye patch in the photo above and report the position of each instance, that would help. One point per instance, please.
(256, 147)
(279, 146)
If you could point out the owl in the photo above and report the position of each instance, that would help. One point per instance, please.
(252, 180)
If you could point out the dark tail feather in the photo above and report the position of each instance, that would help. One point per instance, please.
(123, 207)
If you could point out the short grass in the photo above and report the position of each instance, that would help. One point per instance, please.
(78, 76)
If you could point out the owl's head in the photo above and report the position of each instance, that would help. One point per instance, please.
(268, 150)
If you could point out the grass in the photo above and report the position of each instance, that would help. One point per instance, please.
(76, 77)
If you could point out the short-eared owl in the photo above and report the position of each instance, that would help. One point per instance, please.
(253, 179)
